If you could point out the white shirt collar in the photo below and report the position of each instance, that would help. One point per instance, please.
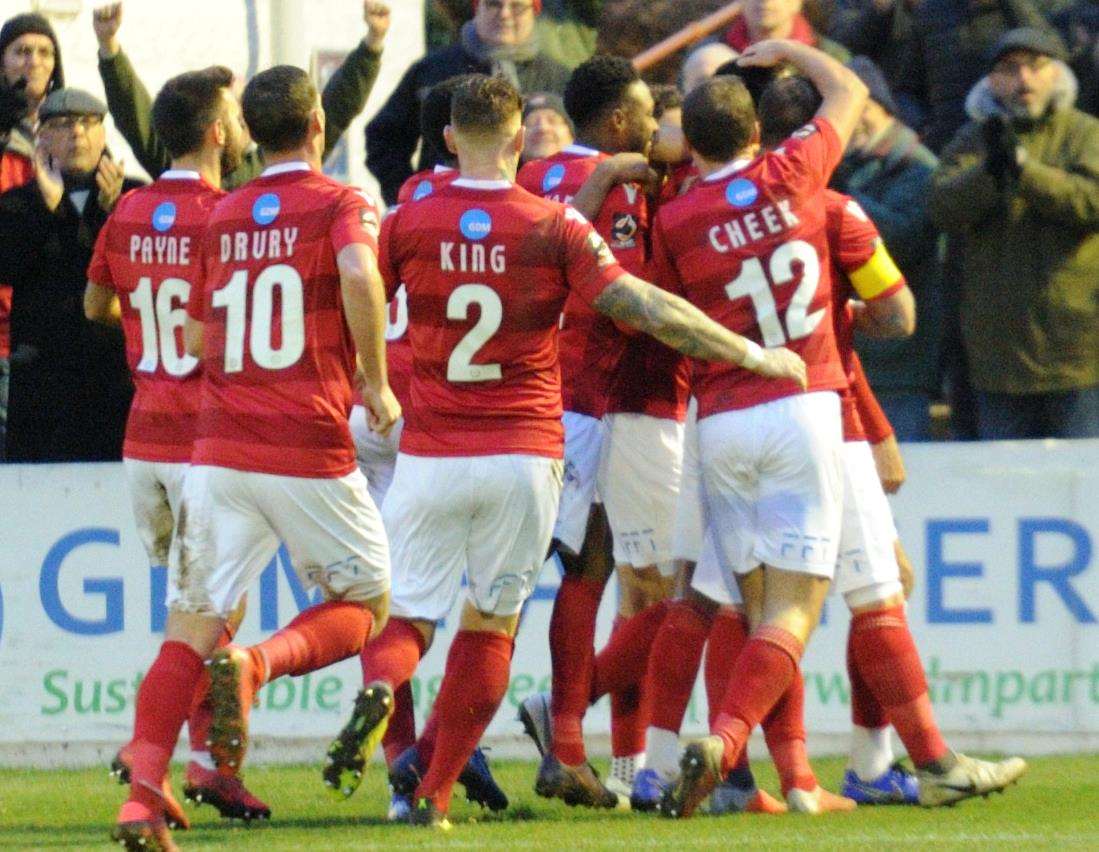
(471, 183)
(732, 168)
(180, 174)
(284, 168)
(581, 151)
(442, 170)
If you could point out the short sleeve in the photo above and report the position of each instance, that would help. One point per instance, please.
(859, 251)
(387, 263)
(590, 265)
(356, 221)
(99, 269)
(805, 161)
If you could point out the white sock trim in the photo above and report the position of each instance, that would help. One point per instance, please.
(871, 752)
(662, 752)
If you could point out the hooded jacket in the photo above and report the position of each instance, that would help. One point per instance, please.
(1030, 289)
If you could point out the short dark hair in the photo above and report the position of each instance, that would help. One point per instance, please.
(596, 87)
(665, 97)
(784, 106)
(719, 118)
(186, 105)
(484, 104)
(277, 104)
(435, 115)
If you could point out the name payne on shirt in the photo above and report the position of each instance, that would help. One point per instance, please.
(754, 226)
(174, 251)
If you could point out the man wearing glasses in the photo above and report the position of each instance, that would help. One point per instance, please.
(70, 391)
(500, 40)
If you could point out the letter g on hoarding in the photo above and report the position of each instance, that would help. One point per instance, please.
(109, 587)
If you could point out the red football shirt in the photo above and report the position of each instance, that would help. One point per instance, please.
(861, 267)
(279, 361)
(591, 344)
(148, 252)
(749, 247)
(488, 268)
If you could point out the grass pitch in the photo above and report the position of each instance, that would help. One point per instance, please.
(1055, 805)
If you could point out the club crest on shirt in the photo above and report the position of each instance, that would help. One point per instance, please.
(623, 230)
(266, 209)
(475, 224)
(553, 177)
(164, 216)
(741, 192)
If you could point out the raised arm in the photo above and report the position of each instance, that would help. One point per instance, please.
(348, 88)
(680, 325)
(843, 93)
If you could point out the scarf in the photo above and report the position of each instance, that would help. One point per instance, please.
(503, 61)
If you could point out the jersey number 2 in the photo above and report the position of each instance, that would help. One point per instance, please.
(233, 297)
(752, 282)
(160, 317)
(460, 367)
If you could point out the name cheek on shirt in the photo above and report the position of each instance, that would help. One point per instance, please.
(754, 226)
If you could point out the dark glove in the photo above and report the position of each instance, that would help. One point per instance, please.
(1001, 146)
(14, 105)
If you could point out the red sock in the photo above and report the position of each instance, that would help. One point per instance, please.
(760, 676)
(394, 654)
(163, 700)
(866, 710)
(784, 730)
(202, 711)
(728, 636)
(474, 685)
(674, 661)
(425, 745)
(316, 638)
(572, 641)
(624, 660)
(401, 733)
(886, 657)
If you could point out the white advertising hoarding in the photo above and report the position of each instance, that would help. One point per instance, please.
(1002, 536)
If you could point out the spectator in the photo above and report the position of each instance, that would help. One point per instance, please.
(1020, 183)
(951, 39)
(549, 128)
(566, 28)
(500, 39)
(764, 19)
(888, 172)
(343, 98)
(702, 62)
(1079, 26)
(31, 60)
(70, 391)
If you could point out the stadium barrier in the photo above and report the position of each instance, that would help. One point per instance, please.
(1002, 537)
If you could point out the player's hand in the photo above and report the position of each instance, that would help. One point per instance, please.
(768, 53)
(109, 176)
(781, 363)
(890, 464)
(47, 172)
(629, 167)
(377, 17)
(908, 573)
(382, 409)
(107, 20)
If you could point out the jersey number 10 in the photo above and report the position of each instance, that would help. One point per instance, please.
(234, 296)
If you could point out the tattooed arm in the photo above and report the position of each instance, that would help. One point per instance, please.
(680, 325)
(890, 317)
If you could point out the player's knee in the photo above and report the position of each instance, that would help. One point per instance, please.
(700, 603)
(200, 630)
(877, 596)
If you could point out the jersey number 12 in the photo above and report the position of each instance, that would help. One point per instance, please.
(752, 282)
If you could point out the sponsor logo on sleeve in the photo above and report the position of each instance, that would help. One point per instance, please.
(804, 132)
(741, 192)
(423, 190)
(475, 224)
(164, 217)
(266, 209)
(603, 254)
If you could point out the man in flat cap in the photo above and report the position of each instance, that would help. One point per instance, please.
(70, 390)
(1020, 185)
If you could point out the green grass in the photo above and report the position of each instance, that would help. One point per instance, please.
(1056, 805)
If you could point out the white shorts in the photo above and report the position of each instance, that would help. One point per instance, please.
(376, 455)
(487, 517)
(583, 447)
(156, 489)
(773, 484)
(688, 530)
(639, 481)
(709, 580)
(866, 555)
(230, 524)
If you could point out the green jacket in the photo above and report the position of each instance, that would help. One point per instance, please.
(891, 183)
(1030, 294)
(131, 108)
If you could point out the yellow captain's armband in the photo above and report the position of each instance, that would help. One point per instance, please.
(877, 275)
